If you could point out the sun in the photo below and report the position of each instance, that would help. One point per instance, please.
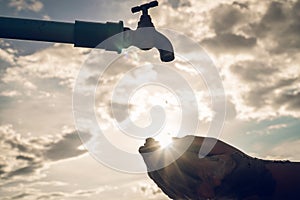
(164, 140)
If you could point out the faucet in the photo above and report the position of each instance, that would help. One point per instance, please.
(91, 34)
(146, 36)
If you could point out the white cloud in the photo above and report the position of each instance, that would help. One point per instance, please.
(268, 130)
(258, 77)
(7, 58)
(288, 150)
(22, 158)
(11, 93)
(31, 5)
(32, 193)
(59, 61)
(39, 86)
(148, 190)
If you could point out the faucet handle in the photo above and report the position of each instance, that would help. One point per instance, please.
(144, 8)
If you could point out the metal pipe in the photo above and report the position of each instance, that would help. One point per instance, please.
(81, 34)
(89, 34)
(38, 30)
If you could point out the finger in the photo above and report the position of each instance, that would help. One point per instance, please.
(156, 157)
(149, 146)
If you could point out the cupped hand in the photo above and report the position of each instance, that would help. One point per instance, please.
(224, 173)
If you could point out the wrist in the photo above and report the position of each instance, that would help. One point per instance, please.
(250, 178)
(287, 177)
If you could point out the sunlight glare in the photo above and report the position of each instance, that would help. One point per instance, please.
(164, 140)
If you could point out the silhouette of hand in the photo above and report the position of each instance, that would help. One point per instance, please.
(225, 173)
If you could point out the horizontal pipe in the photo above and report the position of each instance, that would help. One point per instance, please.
(91, 35)
(86, 34)
(81, 34)
(37, 30)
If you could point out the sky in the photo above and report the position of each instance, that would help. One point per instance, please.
(253, 44)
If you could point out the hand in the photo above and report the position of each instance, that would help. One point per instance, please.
(225, 173)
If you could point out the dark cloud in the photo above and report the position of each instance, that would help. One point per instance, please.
(277, 29)
(26, 156)
(241, 5)
(15, 145)
(229, 43)
(92, 80)
(289, 98)
(21, 196)
(67, 147)
(120, 113)
(253, 71)
(2, 171)
(225, 20)
(174, 3)
(225, 17)
(150, 190)
(36, 195)
(274, 14)
(23, 171)
(263, 95)
(274, 35)
(281, 25)
(178, 3)
(266, 85)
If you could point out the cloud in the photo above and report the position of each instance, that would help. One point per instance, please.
(148, 190)
(281, 152)
(266, 88)
(269, 129)
(37, 87)
(290, 98)
(178, 3)
(229, 43)
(23, 158)
(280, 24)
(58, 61)
(252, 71)
(225, 17)
(66, 147)
(257, 50)
(7, 56)
(132, 190)
(15, 151)
(11, 93)
(36, 194)
(31, 5)
(241, 5)
(6, 59)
